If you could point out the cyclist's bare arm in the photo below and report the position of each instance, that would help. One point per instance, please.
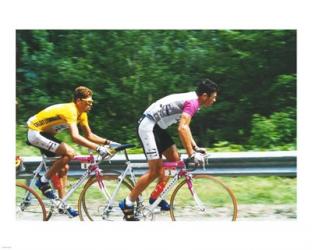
(93, 137)
(77, 138)
(185, 133)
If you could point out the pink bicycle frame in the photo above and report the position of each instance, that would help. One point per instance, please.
(86, 159)
(93, 167)
(182, 172)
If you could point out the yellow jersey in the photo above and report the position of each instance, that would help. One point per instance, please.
(57, 117)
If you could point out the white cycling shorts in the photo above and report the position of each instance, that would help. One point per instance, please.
(36, 139)
(145, 131)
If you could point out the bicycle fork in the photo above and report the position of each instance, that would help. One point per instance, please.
(197, 200)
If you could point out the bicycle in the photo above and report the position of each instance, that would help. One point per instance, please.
(26, 208)
(59, 205)
(196, 197)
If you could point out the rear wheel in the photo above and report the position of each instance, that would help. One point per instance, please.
(212, 200)
(29, 205)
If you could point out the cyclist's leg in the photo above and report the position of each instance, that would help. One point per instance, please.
(60, 181)
(60, 167)
(142, 183)
(145, 133)
(63, 177)
(66, 153)
(171, 154)
(165, 145)
(51, 146)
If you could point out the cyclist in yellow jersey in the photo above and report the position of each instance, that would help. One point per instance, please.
(42, 128)
(57, 117)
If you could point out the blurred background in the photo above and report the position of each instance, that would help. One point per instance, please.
(130, 69)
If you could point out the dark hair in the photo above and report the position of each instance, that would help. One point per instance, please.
(82, 92)
(206, 86)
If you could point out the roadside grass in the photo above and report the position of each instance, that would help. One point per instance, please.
(263, 190)
(248, 190)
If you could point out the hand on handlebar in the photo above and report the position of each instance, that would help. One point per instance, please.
(103, 151)
(198, 158)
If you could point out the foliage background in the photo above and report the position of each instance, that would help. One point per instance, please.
(130, 69)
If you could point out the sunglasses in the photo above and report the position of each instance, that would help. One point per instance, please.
(89, 101)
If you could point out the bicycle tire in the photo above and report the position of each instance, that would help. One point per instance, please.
(31, 209)
(92, 201)
(218, 200)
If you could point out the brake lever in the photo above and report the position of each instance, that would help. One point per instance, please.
(206, 161)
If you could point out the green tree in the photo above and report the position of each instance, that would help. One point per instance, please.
(130, 69)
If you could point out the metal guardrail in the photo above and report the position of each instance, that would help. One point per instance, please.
(279, 163)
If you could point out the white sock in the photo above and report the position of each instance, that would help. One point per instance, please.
(128, 201)
(44, 178)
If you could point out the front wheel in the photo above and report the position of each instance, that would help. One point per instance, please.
(29, 205)
(93, 203)
(211, 200)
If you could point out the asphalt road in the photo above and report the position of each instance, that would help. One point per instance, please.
(256, 212)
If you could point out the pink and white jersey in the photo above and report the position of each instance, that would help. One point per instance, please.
(168, 110)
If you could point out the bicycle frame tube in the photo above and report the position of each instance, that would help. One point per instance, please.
(75, 186)
(129, 168)
(121, 178)
(37, 171)
(89, 158)
(166, 190)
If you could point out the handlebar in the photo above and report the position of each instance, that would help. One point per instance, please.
(112, 150)
(115, 149)
(122, 147)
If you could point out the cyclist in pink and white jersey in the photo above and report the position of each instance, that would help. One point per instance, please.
(156, 142)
